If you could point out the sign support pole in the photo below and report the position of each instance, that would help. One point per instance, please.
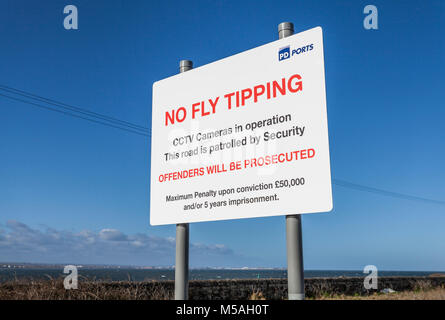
(182, 237)
(294, 241)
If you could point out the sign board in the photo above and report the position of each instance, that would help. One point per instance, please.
(243, 137)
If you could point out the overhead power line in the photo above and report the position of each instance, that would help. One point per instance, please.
(74, 115)
(359, 187)
(77, 112)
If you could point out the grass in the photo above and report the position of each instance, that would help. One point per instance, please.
(257, 295)
(53, 289)
(427, 294)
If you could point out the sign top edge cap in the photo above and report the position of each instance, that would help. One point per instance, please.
(285, 26)
(185, 63)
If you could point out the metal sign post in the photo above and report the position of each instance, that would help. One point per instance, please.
(182, 236)
(294, 243)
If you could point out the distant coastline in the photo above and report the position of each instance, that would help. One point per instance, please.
(11, 271)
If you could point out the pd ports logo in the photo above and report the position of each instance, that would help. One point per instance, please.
(284, 53)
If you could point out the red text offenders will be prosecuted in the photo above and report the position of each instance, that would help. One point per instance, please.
(239, 165)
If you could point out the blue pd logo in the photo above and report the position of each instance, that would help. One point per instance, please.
(284, 53)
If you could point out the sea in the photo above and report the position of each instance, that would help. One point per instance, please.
(132, 274)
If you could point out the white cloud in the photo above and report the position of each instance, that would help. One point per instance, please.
(21, 243)
(112, 235)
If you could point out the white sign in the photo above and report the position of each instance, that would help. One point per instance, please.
(243, 137)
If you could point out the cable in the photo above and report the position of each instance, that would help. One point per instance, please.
(74, 115)
(359, 187)
(75, 109)
(70, 107)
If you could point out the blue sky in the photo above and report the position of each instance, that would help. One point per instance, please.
(68, 185)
